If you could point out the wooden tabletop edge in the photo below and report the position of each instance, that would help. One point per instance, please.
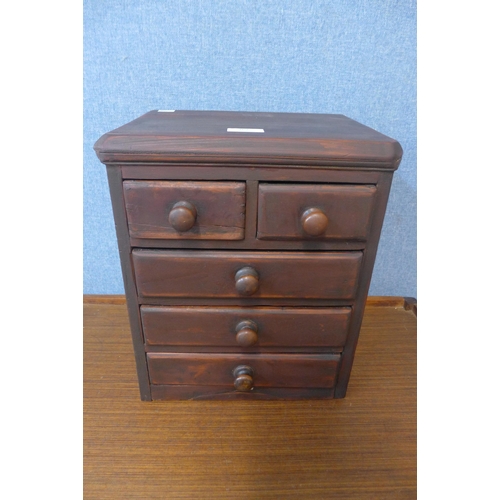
(103, 299)
(408, 303)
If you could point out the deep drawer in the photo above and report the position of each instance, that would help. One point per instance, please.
(185, 210)
(207, 274)
(267, 370)
(314, 211)
(245, 327)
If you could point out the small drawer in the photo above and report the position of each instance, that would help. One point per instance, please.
(315, 211)
(243, 372)
(185, 210)
(268, 275)
(245, 327)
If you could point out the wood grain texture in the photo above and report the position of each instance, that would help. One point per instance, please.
(115, 182)
(244, 172)
(348, 210)
(293, 152)
(251, 174)
(382, 196)
(220, 209)
(271, 370)
(288, 137)
(192, 274)
(224, 393)
(372, 301)
(216, 326)
(361, 447)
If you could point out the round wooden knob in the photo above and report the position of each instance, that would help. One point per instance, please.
(243, 378)
(246, 333)
(314, 221)
(247, 281)
(182, 216)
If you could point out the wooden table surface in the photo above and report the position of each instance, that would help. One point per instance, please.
(360, 447)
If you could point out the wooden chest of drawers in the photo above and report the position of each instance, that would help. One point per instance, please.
(247, 243)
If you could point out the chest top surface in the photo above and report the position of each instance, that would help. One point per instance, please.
(249, 137)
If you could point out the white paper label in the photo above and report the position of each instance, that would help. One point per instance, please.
(253, 130)
(166, 111)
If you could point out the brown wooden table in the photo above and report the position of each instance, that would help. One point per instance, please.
(363, 446)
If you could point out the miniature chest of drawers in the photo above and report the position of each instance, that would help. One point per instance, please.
(247, 243)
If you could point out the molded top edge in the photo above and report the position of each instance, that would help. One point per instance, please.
(248, 137)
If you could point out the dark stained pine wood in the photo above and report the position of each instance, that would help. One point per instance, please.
(314, 221)
(219, 209)
(191, 274)
(241, 171)
(182, 216)
(251, 243)
(243, 378)
(223, 393)
(363, 287)
(247, 333)
(246, 281)
(206, 218)
(218, 326)
(289, 138)
(346, 209)
(116, 190)
(270, 370)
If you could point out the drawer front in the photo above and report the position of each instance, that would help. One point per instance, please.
(185, 210)
(267, 370)
(206, 274)
(314, 211)
(245, 327)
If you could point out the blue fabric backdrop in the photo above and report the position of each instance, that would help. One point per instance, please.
(354, 57)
